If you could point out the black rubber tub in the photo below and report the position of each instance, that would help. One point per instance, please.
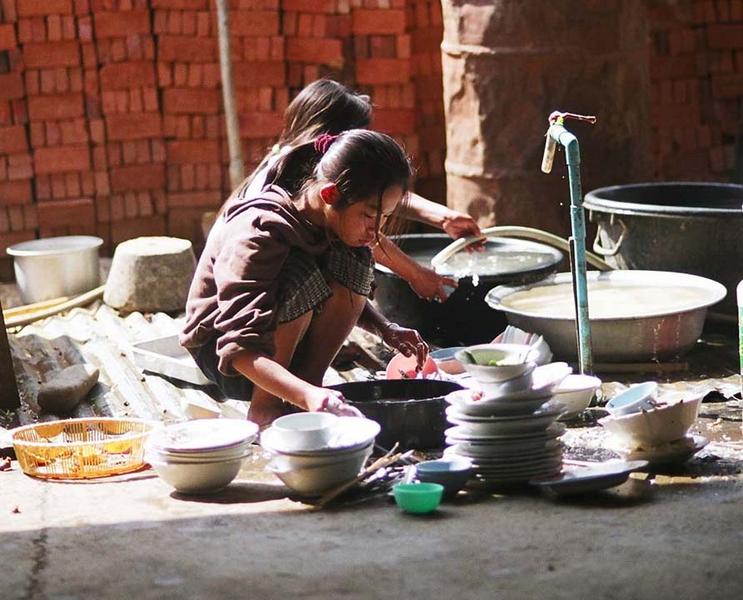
(464, 318)
(692, 228)
(410, 411)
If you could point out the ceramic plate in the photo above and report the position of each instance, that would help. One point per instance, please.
(486, 481)
(580, 480)
(351, 433)
(203, 434)
(465, 405)
(498, 415)
(532, 449)
(537, 421)
(672, 452)
(458, 434)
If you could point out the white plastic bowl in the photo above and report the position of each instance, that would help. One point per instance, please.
(516, 356)
(311, 476)
(575, 393)
(666, 423)
(303, 431)
(198, 477)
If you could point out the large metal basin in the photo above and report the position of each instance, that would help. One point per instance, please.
(694, 228)
(651, 334)
(464, 318)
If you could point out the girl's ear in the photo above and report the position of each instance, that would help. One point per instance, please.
(329, 193)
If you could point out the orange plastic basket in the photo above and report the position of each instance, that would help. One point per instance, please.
(81, 448)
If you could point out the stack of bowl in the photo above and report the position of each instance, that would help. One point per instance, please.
(507, 427)
(315, 452)
(645, 426)
(201, 456)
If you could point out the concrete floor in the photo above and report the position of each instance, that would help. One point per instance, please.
(675, 538)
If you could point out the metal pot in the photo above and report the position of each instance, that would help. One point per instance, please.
(410, 411)
(650, 336)
(689, 227)
(464, 318)
(54, 267)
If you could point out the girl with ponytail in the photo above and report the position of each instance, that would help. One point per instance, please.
(286, 274)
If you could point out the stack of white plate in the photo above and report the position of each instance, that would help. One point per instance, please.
(200, 456)
(510, 438)
(315, 468)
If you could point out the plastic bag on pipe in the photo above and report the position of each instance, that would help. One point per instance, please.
(514, 335)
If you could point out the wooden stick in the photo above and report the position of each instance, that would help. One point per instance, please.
(80, 300)
(31, 308)
(232, 124)
(380, 463)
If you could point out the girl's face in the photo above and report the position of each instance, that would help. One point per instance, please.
(356, 225)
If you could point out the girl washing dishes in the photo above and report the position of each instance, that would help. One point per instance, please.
(287, 269)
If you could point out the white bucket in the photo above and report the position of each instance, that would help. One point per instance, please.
(54, 267)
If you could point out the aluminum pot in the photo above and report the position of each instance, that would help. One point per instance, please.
(464, 318)
(410, 411)
(677, 226)
(54, 267)
(665, 335)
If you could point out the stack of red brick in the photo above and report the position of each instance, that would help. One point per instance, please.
(696, 69)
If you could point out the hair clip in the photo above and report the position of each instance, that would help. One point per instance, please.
(323, 142)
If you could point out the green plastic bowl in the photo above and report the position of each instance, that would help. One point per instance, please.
(418, 498)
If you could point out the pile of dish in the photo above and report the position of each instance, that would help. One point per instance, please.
(508, 427)
(315, 452)
(647, 426)
(201, 456)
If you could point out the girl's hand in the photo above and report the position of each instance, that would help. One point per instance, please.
(406, 341)
(320, 399)
(458, 225)
(429, 285)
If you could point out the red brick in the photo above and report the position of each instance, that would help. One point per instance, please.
(51, 54)
(40, 8)
(727, 86)
(259, 74)
(191, 101)
(15, 192)
(382, 70)
(20, 166)
(118, 76)
(138, 177)
(394, 122)
(11, 87)
(121, 23)
(254, 23)
(186, 49)
(204, 198)
(309, 6)
(56, 107)
(139, 227)
(261, 125)
(74, 132)
(133, 126)
(673, 67)
(188, 151)
(722, 37)
(310, 50)
(62, 159)
(181, 4)
(377, 22)
(7, 37)
(13, 139)
(72, 213)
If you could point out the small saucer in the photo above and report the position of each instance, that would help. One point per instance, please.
(672, 452)
(581, 480)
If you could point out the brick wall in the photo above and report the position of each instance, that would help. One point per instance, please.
(111, 113)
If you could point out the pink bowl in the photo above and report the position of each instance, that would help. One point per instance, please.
(406, 364)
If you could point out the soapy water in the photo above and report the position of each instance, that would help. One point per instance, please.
(607, 300)
(477, 264)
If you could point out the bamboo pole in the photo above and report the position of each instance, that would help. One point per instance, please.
(237, 165)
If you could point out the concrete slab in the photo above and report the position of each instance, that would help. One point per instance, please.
(133, 538)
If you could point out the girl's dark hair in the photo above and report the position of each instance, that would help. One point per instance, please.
(324, 106)
(361, 163)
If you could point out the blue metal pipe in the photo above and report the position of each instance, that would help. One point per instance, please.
(578, 243)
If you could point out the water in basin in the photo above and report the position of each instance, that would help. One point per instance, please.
(608, 300)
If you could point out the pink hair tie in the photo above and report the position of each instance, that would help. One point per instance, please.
(323, 142)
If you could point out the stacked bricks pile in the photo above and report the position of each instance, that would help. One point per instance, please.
(111, 118)
(54, 69)
(18, 216)
(125, 119)
(696, 70)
